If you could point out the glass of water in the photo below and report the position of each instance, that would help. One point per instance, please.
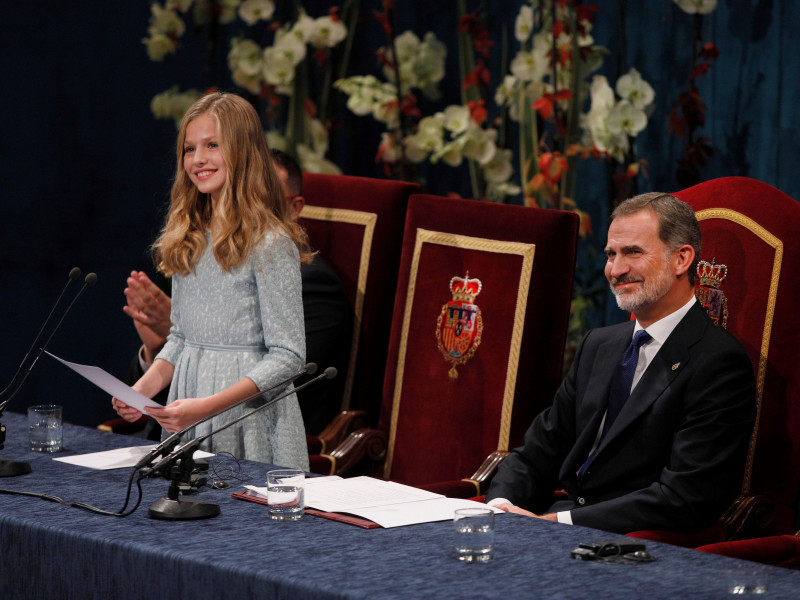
(45, 427)
(285, 498)
(474, 534)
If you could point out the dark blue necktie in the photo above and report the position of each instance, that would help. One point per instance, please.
(621, 383)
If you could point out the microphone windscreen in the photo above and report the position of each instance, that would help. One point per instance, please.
(74, 273)
(330, 372)
(311, 368)
(91, 279)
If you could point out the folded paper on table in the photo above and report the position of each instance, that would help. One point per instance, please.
(387, 503)
(110, 384)
(117, 458)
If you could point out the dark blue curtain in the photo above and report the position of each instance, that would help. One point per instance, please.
(85, 169)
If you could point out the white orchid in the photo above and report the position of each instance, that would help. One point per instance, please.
(172, 104)
(158, 46)
(165, 21)
(413, 151)
(291, 46)
(634, 89)
(450, 153)
(319, 136)
(277, 68)
(388, 150)
(252, 11)
(523, 26)
(227, 10)
(700, 7)
(419, 63)
(312, 162)
(276, 141)
(327, 32)
(303, 27)
(499, 169)
(479, 144)
(245, 56)
(625, 117)
(532, 65)
(456, 118)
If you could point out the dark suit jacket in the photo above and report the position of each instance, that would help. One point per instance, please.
(329, 327)
(673, 458)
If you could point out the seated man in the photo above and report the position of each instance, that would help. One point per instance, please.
(328, 319)
(670, 456)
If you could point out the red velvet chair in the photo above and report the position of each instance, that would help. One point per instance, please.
(356, 224)
(777, 550)
(478, 333)
(752, 229)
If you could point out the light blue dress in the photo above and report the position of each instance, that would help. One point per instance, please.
(245, 322)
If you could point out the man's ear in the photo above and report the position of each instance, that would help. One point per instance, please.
(684, 259)
(296, 206)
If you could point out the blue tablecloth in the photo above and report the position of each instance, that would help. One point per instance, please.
(50, 550)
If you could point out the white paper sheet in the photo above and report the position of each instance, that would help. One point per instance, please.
(344, 495)
(386, 503)
(116, 459)
(110, 384)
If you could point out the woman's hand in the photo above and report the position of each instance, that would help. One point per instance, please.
(128, 413)
(180, 414)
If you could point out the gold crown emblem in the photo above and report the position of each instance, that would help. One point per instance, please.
(711, 274)
(465, 289)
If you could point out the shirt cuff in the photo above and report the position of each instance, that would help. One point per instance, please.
(497, 501)
(564, 516)
(143, 364)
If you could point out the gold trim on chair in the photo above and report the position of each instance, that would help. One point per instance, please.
(526, 251)
(368, 221)
(746, 222)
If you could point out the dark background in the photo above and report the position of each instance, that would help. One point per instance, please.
(85, 169)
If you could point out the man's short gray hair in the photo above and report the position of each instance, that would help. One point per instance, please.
(677, 224)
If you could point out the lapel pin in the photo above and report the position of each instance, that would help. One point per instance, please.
(675, 366)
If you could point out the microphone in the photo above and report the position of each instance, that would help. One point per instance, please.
(73, 275)
(169, 443)
(89, 281)
(190, 447)
(171, 506)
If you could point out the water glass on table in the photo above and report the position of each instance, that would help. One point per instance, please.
(285, 499)
(474, 534)
(45, 427)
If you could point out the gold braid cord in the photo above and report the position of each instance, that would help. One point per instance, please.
(368, 221)
(777, 246)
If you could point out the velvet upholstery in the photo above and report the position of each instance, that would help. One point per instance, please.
(441, 428)
(356, 224)
(778, 550)
(752, 228)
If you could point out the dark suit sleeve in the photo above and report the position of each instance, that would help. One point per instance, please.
(707, 451)
(328, 324)
(529, 475)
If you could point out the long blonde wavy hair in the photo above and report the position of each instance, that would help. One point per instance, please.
(251, 202)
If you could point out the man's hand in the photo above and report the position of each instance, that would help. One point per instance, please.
(512, 508)
(149, 307)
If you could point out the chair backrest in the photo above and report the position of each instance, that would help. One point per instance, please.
(356, 224)
(754, 230)
(480, 320)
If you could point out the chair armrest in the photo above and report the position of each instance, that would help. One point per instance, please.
(361, 453)
(343, 424)
(749, 516)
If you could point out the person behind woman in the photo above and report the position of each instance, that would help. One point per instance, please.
(234, 255)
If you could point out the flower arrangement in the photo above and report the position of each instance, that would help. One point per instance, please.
(276, 73)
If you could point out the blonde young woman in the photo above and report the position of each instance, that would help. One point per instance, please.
(234, 257)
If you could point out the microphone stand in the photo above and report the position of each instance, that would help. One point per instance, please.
(13, 468)
(180, 464)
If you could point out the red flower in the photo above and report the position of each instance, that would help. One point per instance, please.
(480, 75)
(477, 110)
(545, 104)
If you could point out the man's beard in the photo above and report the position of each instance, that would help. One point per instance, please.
(649, 292)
